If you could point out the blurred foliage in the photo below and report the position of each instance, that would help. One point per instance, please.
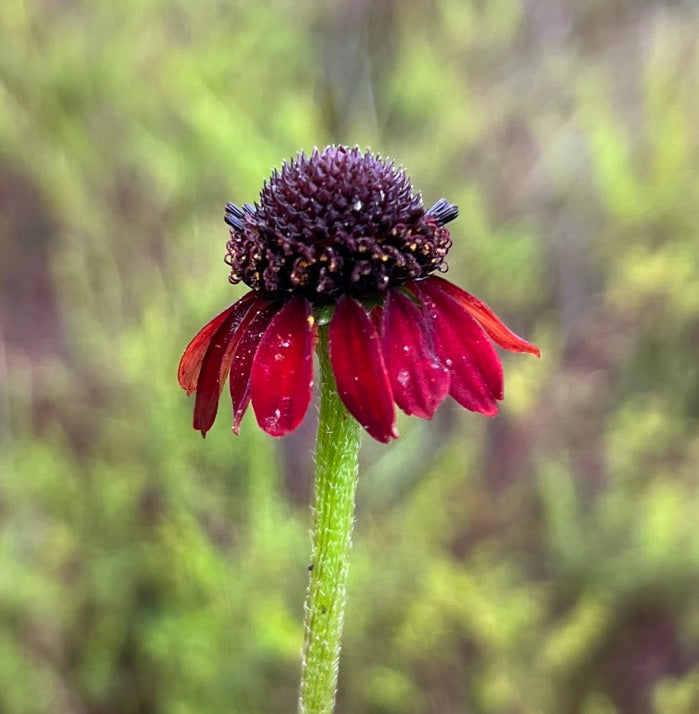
(546, 561)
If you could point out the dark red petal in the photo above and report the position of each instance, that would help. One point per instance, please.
(282, 371)
(376, 316)
(215, 364)
(419, 381)
(248, 339)
(360, 372)
(490, 322)
(190, 364)
(464, 349)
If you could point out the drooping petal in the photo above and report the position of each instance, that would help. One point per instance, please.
(491, 323)
(248, 339)
(360, 372)
(419, 381)
(190, 364)
(215, 364)
(282, 371)
(464, 349)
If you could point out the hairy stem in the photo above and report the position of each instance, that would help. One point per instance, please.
(335, 487)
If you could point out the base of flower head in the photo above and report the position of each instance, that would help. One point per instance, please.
(423, 342)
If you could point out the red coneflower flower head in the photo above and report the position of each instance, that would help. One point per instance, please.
(343, 232)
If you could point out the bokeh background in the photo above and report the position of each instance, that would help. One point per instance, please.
(542, 562)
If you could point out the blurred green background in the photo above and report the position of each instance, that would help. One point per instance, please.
(543, 562)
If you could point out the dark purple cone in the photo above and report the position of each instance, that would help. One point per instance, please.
(340, 222)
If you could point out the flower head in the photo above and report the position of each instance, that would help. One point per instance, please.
(343, 232)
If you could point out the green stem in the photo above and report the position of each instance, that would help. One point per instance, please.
(335, 487)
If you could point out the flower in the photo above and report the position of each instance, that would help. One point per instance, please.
(341, 235)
